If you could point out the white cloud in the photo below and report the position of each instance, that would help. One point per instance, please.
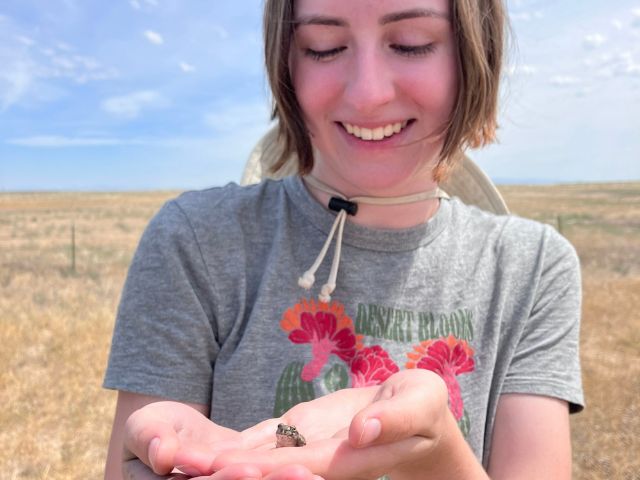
(154, 37)
(27, 66)
(220, 31)
(130, 106)
(635, 13)
(25, 40)
(55, 141)
(528, 70)
(64, 46)
(617, 24)
(236, 117)
(605, 72)
(620, 64)
(15, 81)
(593, 40)
(138, 4)
(63, 62)
(79, 68)
(186, 67)
(627, 65)
(526, 16)
(564, 81)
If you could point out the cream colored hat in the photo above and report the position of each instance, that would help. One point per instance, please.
(468, 182)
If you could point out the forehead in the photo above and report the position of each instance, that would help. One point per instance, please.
(370, 8)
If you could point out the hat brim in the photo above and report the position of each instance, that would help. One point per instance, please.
(467, 182)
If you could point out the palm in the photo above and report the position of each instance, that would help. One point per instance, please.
(333, 427)
(326, 418)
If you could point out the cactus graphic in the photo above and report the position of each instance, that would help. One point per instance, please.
(292, 389)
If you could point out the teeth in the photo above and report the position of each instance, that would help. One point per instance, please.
(377, 133)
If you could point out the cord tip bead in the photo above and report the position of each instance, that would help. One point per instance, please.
(325, 292)
(307, 280)
(324, 298)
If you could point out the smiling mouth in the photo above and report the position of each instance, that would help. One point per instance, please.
(375, 134)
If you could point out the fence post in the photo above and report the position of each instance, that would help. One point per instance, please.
(560, 225)
(73, 247)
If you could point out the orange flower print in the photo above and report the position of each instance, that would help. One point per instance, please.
(371, 366)
(326, 328)
(448, 357)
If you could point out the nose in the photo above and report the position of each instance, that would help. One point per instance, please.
(370, 82)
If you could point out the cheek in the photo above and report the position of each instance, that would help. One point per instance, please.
(433, 90)
(316, 90)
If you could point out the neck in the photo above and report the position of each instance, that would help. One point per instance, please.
(388, 216)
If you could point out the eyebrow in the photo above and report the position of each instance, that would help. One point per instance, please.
(320, 20)
(413, 13)
(384, 20)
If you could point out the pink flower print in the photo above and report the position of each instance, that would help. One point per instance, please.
(448, 357)
(326, 328)
(371, 366)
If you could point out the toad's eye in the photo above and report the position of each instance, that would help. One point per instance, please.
(414, 50)
(323, 55)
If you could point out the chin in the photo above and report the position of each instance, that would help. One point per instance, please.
(389, 180)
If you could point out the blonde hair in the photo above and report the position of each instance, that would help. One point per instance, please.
(479, 30)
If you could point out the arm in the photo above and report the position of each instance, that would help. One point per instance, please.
(128, 403)
(531, 439)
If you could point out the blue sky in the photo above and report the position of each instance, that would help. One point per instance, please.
(157, 94)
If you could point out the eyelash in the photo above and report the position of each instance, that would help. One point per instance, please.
(320, 55)
(414, 51)
(405, 50)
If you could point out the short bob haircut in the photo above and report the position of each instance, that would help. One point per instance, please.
(479, 28)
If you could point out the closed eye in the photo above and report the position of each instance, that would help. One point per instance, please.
(413, 50)
(320, 55)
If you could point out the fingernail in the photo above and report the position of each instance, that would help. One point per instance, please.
(189, 470)
(154, 446)
(370, 431)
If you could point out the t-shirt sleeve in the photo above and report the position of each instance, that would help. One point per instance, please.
(164, 342)
(546, 360)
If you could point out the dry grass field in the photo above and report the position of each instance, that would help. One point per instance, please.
(56, 322)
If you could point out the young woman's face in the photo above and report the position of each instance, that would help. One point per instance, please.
(376, 81)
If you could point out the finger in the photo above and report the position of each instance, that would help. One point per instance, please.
(331, 458)
(196, 459)
(410, 403)
(311, 456)
(261, 435)
(136, 470)
(292, 472)
(153, 441)
(235, 472)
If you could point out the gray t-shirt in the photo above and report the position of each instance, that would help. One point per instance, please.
(212, 313)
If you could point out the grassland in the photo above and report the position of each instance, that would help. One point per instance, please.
(56, 322)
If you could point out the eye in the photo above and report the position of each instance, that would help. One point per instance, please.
(413, 50)
(323, 55)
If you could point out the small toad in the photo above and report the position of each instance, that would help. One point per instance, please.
(288, 436)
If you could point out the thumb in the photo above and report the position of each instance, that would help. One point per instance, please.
(410, 403)
(154, 441)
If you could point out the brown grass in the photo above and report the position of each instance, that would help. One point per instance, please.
(55, 324)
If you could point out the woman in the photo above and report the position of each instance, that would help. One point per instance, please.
(458, 327)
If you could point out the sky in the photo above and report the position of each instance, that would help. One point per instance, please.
(171, 94)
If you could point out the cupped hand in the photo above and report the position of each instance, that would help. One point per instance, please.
(169, 435)
(360, 433)
(172, 441)
(136, 470)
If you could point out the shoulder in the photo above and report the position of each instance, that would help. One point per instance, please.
(513, 237)
(222, 207)
(229, 199)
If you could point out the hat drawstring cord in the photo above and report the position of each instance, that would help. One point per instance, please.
(345, 206)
